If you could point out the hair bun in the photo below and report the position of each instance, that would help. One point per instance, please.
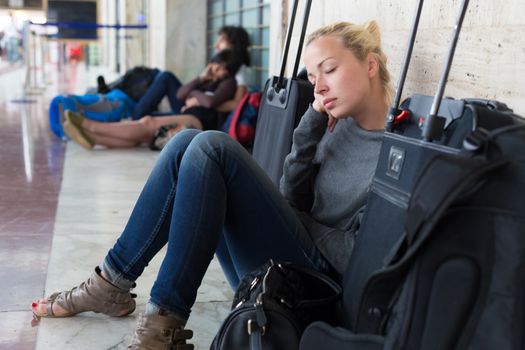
(373, 28)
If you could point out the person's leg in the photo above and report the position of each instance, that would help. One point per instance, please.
(134, 132)
(164, 84)
(220, 185)
(112, 142)
(147, 229)
(11, 47)
(227, 265)
(131, 130)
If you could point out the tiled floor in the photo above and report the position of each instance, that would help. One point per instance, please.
(61, 208)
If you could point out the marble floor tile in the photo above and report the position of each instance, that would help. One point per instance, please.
(90, 216)
(61, 208)
(16, 331)
(23, 261)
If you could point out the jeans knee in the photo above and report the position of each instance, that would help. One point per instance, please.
(213, 140)
(166, 76)
(177, 146)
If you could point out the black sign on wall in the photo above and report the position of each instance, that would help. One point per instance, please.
(74, 19)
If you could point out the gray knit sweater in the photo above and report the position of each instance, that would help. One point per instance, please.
(326, 179)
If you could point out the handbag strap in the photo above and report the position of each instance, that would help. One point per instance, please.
(256, 340)
(232, 131)
(257, 327)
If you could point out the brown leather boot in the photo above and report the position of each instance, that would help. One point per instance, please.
(95, 294)
(156, 332)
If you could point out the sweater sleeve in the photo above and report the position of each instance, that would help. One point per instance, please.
(184, 91)
(224, 92)
(299, 168)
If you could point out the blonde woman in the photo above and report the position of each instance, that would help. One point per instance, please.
(239, 214)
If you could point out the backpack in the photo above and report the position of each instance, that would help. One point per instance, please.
(241, 122)
(111, 107)
(455, 279)
(134, 83)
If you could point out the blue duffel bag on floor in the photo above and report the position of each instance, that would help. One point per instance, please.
(111, 107)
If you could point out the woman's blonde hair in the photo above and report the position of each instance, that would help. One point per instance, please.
(361, 40)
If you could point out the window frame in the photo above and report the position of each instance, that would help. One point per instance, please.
(259, 32)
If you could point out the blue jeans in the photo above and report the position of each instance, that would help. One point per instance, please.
(164, 84)
(12, 46)
(207, 195)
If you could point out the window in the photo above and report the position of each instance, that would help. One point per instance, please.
(254, 16)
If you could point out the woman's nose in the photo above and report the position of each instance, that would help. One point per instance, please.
(320, 86)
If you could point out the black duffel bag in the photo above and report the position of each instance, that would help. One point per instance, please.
(273, 305)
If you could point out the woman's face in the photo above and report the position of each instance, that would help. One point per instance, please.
(218, 71)
(341, 82)
(221, 43)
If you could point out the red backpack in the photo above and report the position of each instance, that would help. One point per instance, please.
(241, 122)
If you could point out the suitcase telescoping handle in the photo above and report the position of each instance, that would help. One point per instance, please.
(306, 15)
(279, 88)
(434, 125)
(308, 5)
(393, 111)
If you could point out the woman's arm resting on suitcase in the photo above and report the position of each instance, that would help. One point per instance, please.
(299, 167)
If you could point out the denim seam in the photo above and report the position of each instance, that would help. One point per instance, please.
(152, 236)
(176, 280)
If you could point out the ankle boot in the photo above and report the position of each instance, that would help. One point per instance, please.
(95, 294)
(160, 332)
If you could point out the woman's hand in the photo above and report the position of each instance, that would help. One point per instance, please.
(318, 106)
(331, 123)
(206, 74)
(190, 102)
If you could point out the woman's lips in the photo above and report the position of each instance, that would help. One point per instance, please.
(329, 103)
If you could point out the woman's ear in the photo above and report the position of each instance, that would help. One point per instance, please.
(373, 65)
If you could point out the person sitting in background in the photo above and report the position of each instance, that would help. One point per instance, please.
(237, 40)
(215, 85)
(166, 84)
(206, 195)
(12, 38)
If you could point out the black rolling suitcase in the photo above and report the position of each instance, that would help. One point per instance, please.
(283, 103)
(423, 130)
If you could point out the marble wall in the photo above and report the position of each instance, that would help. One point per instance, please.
(186, 37)
(489, 56)
(178, 36)
(157, 33)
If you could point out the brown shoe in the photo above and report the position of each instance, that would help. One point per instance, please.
(75, 118)
(160, 332)
(96, 294)
(73, 129)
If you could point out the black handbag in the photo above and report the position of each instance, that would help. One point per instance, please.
(273, 305)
